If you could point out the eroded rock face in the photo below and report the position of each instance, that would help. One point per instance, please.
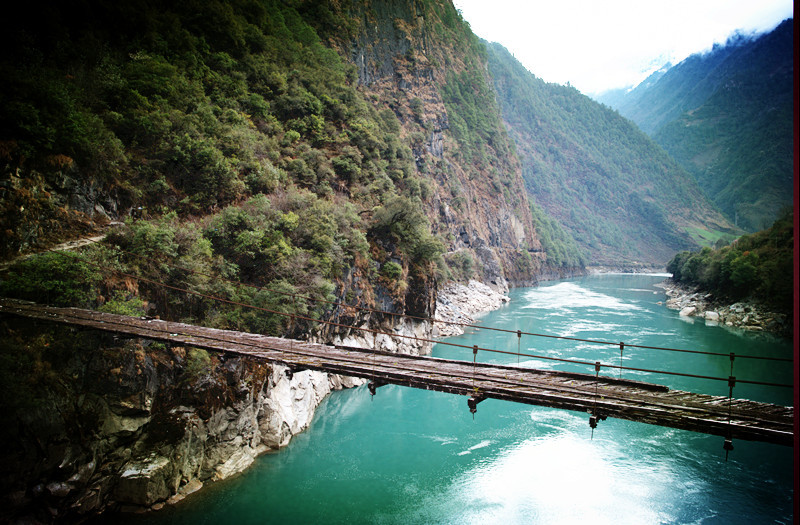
(398, 49)
(133, 424)
(462, 303)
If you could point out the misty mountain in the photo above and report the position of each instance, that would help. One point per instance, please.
(726, 117)
(616, 98)
(618, 194)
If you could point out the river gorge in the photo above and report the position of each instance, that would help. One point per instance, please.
(413, 456)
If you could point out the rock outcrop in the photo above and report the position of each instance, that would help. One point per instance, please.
(410, 58)
(459, 303)
(134, 424)
(694, 303)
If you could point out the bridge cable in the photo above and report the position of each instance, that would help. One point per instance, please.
(728, 443)
(475, 396)
(593, 417)
(378, 332)
(411, 337)
(442, 321)
(434, 320)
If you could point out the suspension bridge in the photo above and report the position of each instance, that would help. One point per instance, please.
(599, 396)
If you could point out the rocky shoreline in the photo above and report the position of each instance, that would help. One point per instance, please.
(463, 303)
(157, 422)
(133, 424)
(164, 421)
(695, 303)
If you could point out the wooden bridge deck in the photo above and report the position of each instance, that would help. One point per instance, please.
(604, 396)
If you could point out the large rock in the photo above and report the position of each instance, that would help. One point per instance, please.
(688, 311)
(290, 406)
(145, 482)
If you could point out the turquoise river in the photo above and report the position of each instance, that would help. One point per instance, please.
(408, 456)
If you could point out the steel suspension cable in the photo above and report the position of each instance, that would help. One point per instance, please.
(411, 337)
(454, 323)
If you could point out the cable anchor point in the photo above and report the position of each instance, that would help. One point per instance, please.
(472, 403)
(728, 446)
(372, 386)
(594, 419)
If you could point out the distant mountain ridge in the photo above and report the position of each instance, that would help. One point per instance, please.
(616, 98)
(671, 91)
(610, 186)
(726, 117)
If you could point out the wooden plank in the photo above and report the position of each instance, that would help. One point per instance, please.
(612, 397)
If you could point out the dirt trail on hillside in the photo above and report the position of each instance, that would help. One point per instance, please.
(68, 245)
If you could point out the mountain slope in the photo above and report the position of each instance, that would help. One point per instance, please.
(738, 143)
(726, 117)
(270, 164)
(618, 97)
(663, 97)
(421, 61)
(292, 147)
(617, 192)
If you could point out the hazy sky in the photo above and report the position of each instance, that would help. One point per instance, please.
(597, 45)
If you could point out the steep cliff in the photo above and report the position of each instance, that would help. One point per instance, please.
(419, 60)
(91, 423)
(274, 165)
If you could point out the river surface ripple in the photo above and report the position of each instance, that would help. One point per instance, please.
(410, 456)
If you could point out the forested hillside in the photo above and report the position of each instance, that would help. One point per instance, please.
(757, 266)
(615, 192)
(726, 117)
(295, 168)
(339, 152)
(666, 95)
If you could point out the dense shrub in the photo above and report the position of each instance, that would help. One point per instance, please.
(52, 278)
(757, 266)
(400, 220)
(391, 270)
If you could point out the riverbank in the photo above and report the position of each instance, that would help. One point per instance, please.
(463, 303)
(132, 424)
(409, 455)
(695, 303)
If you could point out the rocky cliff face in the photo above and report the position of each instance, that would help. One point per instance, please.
(93, 423)
(412, 58)
(35, 211)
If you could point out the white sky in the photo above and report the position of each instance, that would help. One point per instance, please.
(597, 45)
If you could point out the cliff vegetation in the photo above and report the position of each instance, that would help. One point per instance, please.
(254, 149)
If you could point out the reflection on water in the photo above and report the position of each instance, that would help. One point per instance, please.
(413, 456)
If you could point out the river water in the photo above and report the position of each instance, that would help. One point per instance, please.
(410, 456)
